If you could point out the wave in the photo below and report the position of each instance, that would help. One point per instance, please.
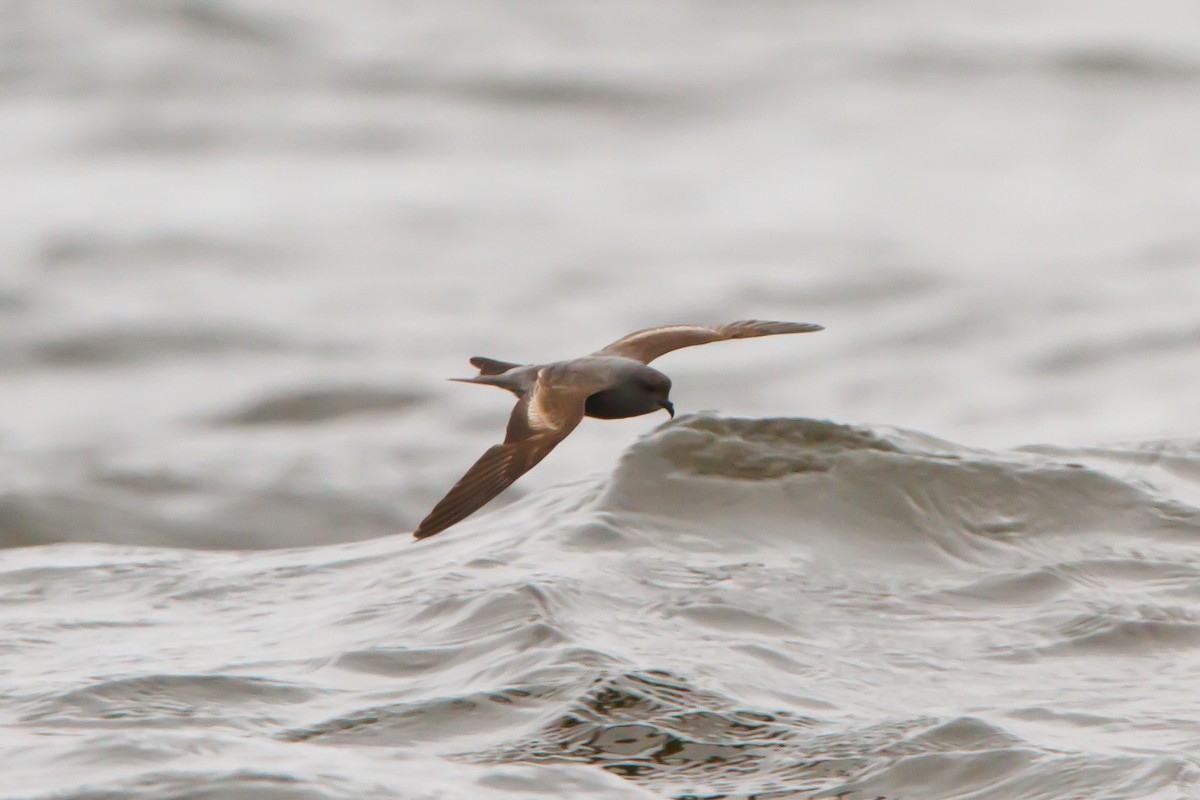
(778, 608)
(865, 494)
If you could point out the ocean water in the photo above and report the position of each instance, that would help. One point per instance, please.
(744, 608)
(947, 548)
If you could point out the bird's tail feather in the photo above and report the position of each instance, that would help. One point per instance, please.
(491, 366)
(499, 381)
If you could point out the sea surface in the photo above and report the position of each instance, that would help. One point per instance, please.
(948, 548)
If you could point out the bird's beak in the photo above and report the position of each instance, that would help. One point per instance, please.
(669, 407)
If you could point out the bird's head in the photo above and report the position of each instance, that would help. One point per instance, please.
(657, 388)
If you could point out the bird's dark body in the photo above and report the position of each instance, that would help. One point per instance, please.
(626, 399)
(634, 388)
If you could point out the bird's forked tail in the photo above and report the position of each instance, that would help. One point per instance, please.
(493, 373)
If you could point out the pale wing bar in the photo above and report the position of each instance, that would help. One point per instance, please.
(647, 345)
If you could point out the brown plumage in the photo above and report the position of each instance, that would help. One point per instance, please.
(612, 383)
(647, 345)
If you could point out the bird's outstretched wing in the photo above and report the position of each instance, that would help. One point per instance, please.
(539, 421)
(647, 345)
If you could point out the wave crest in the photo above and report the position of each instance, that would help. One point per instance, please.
(874, 492)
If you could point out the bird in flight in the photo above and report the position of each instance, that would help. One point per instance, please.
(612, 383)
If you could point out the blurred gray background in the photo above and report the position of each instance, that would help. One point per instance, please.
(243, 243)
